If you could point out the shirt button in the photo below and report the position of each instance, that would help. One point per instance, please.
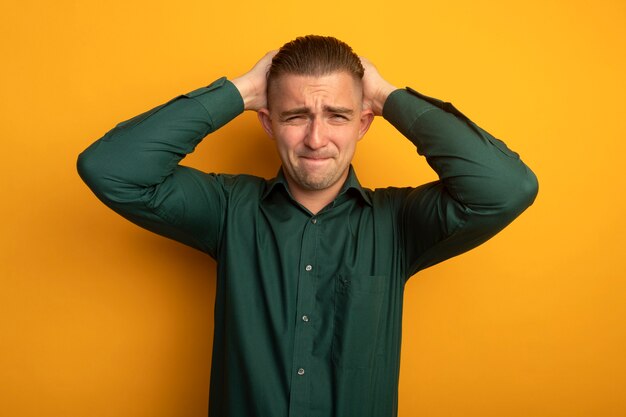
(308, 268)
(305, 318)
(313, 220)
(300, 371)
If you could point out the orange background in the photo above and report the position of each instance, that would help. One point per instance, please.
(100, 318)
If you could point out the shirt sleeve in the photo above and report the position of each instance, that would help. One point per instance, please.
(482, 186)
(134, 168)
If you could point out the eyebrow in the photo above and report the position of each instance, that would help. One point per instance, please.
(327, 109)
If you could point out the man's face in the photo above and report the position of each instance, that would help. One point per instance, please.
(316, 122)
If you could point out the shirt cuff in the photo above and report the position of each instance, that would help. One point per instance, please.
(404, 106)
(221, 99)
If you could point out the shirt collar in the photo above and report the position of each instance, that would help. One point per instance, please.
(350, 187)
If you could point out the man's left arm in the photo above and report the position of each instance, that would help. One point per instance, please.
(482, 186)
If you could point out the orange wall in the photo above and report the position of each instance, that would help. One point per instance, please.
(99, 318)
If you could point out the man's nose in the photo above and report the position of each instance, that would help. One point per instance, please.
(316, 136)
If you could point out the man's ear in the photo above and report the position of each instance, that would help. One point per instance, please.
(367, 117)
(266, 122)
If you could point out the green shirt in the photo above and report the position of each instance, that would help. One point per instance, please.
(308, 307)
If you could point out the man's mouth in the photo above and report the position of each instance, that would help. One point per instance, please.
(315, 157)
(315, 160)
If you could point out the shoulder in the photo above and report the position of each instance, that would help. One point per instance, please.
(242, 187)
(241, 180)
(389, 195)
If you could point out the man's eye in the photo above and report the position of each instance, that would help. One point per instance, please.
(339, 117)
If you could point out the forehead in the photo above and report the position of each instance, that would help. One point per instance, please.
(338, 88)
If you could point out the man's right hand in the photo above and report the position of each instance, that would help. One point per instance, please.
(253, 85)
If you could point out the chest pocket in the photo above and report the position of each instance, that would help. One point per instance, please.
(357, 320)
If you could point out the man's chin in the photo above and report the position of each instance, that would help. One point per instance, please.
(313, 185)
(315, 179)
(317, 182)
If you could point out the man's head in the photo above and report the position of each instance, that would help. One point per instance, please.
(315, 111)
(313, 55)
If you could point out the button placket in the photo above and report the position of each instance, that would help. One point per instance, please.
(304, 332)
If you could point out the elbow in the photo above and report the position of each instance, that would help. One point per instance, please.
(522, 193)
(108, 178)
(86, 169)
(89, 170)
(530, 187)
(95, 172)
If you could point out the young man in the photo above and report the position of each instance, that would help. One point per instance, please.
(311, 266)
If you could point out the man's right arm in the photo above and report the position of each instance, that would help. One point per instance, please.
(134, 168)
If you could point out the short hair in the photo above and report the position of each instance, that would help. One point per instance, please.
(314, 55)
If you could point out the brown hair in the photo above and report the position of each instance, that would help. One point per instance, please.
(314, 55)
